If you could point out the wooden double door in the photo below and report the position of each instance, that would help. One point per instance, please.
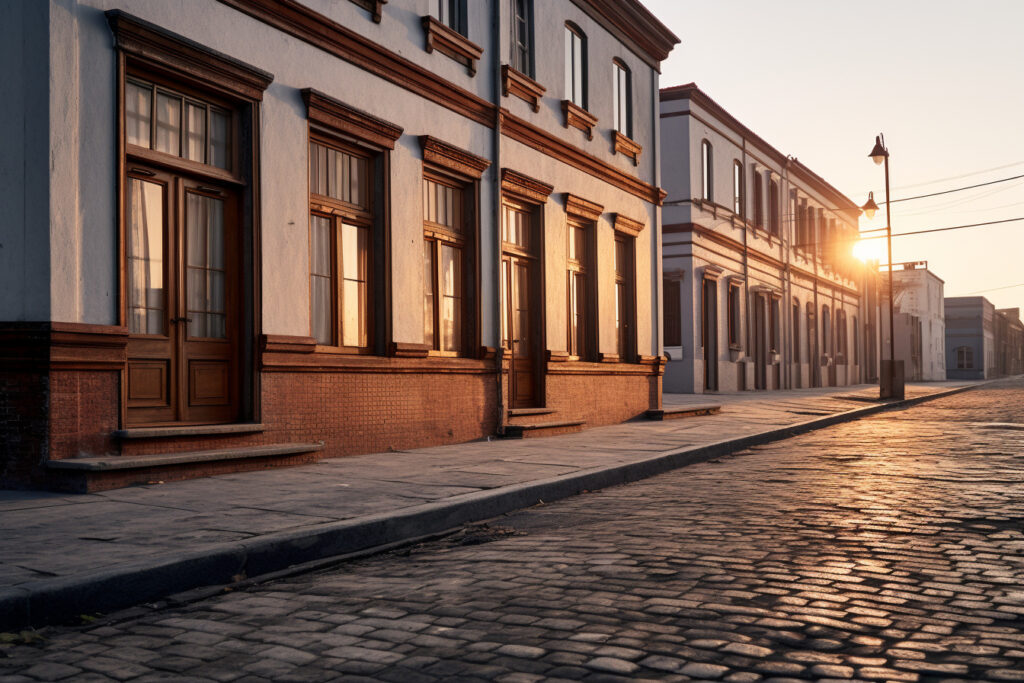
(182, 298)
(522, 306)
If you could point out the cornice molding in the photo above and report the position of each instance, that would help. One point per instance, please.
(342, 118)
(524, 187)
(519, 130)
(157, 46)
(374, 7)
(452, 43)
(627, 146)
(452, 158)
(578, 117)
(627, 225)
(516, 83)
(298, 21)
(577, 206)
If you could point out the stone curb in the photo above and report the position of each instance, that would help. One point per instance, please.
(54, 600)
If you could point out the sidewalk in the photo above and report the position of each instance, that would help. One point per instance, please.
(63, 555)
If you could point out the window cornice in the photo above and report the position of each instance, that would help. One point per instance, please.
(342, 118)
(452, 158)
(155, 46)
(523, 186)
(579, 207)
(450, 42)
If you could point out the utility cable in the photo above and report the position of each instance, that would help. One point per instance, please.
(996, 289)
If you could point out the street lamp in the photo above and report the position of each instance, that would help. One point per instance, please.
(891, 389)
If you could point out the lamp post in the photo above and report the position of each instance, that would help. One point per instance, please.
(894, 387)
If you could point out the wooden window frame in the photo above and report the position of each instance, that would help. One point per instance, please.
(467, 242)
(626, 343)
(774, 207)
(672, 315)
(624, 127)
(570, 67)
(795, 354)
(527, 69)
(738, 198)
(340, 212)
(582, 214)
(734, 314)
(758, 199)
(707, 163)
(340, 126)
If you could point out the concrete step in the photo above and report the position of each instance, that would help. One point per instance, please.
(112, 471)
(676, 412)
(524, 431)
(176, 431)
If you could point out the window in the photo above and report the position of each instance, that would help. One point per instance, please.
(856, 342)
(841, 338)
(737, 189)
(625, 315)
(575, 66)
(623, 98)
(167, 121)
(758, 199)
(773, 207)
(582, 327)
(451, 13)
(522, 37)
(735, 314)
(446, 236)
(826, 331)
(673, 312)
(964, 358)
(795, 349)
(340, 242)
(773, 324)
(706, 172)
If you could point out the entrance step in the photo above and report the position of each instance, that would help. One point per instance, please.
(523, 431)
(186, 430)
(530, 416)
(113, 471)
(676, 412)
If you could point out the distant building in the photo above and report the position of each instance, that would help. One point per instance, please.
(970, 337)
(981, 341)
(761, 288)
(919, 321)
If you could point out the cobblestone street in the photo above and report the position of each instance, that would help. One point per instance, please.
(889, 548)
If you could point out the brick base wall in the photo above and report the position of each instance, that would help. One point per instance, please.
(24, 397)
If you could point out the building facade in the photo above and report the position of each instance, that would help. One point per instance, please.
(919, 321)
(981, 341)
(244, 233)
(761, 288)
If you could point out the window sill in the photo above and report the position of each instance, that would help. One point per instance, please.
(452, 43)
(628, 147)
(578, 117)
(373, 7)
(522, 86)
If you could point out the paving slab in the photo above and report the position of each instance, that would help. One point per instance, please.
(64, 554)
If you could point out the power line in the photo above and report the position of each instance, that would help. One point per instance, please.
(962, 175)
(996, 289)
(956, 189)
(954, 227)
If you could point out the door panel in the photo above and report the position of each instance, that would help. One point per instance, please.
(181, 300)
(521, 308)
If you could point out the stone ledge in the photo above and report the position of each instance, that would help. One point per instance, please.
(121, 462)
(673, 412)
(187, 430)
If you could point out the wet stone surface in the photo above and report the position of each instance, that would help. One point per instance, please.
(891, 548)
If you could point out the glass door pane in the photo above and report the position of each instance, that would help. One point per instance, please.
(205, 269)
(147, 296)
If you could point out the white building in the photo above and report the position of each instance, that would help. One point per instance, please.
(920, 321)
(761, 288)
(281, 230)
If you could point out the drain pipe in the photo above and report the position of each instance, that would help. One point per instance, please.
(499, 354)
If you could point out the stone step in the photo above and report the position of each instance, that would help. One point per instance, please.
(175, 431)
(676, 412)
(523, 431)
(136, 462)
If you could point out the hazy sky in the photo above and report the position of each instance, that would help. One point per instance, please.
(943, 79)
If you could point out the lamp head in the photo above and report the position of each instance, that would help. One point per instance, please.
(879, 152)
(870, 207)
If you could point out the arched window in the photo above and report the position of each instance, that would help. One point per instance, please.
(575, 65)
(706, 160)
(737, 189)
(623, 88)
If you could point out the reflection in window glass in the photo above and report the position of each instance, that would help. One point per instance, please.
(168, 124)
(354, 251)
(321, 280)
(146, 294)
(138, 105)
(195, 132)
(220, 139)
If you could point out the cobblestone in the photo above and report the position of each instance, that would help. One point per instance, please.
(891, 548)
